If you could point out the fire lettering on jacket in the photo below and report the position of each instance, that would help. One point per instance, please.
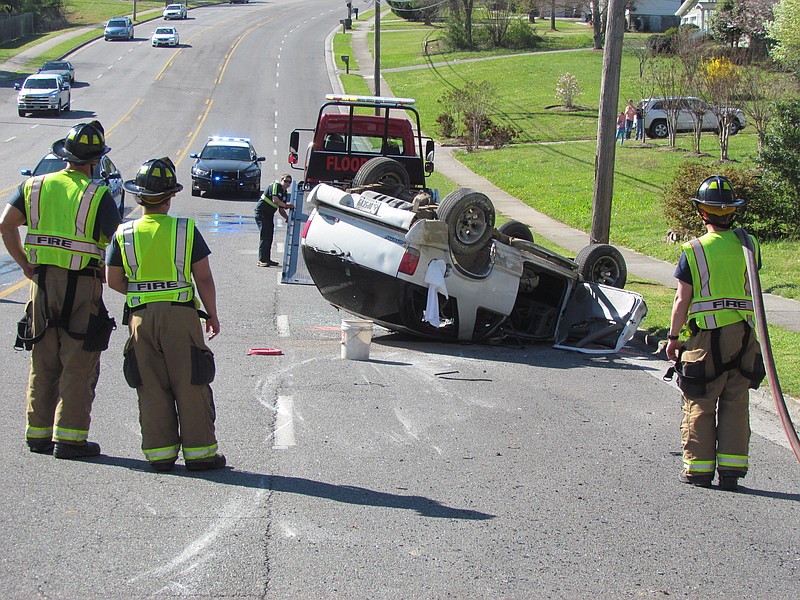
(45, 240)
(154, 286)
(729, 303)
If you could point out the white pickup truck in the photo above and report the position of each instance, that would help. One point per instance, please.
(43, 93)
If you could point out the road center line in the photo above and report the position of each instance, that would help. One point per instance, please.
(284, 423)
(282, 323)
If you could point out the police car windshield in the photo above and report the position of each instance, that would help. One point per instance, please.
(226, 152)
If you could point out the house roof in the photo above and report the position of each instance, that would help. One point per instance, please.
(688, 5)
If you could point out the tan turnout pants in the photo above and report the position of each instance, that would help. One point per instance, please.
(167, 351)
(63, 376)
(715, 430)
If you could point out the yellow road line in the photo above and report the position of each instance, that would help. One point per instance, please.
(14, 288)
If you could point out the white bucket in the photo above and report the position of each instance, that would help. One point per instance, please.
(356, 339)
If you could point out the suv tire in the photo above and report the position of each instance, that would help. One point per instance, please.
(383, 175)
(470, 219)
(602, 263)
(659, 129)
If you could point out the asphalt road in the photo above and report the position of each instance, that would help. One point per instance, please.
(430, 471)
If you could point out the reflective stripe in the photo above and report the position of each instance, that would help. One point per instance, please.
(733, 461)
(164, 453)
(36, 194)
(64, 243)
(39, 432)
(81, 219)
(721, 303)
(199, 453)
(73, 435)
(699, 466)
(702, 267)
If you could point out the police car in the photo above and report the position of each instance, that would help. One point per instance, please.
(227, 165)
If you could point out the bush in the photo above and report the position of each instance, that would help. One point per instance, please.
(767, 214)
(448, 126)
(500, 136)
(659, 44)
(521, 35)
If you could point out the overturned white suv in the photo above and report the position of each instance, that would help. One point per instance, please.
(443, 271)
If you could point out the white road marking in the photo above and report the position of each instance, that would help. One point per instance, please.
(13, 137)
(282, 324)
(284, 424)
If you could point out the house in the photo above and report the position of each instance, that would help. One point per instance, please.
(653, 16)
(697, 12)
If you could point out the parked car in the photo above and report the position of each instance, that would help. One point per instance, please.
(59, 67)
(655, 119)
(119, 28)
(43, 93)
(378, 257)
(105, 173)
(165, 36)
(175, 11)
(227, 164)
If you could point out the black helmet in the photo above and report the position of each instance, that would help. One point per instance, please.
(155, 182)
(716, 201)
(85, 143)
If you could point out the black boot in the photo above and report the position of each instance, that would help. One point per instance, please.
(69, 451)
(206, 464)
(40, 446)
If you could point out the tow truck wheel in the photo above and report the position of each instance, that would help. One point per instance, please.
(382, 175)
(602, 263)
(516, 229)
(470, 219)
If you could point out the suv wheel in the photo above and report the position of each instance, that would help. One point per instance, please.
(470, 219)
(734, 127)
(659, 129)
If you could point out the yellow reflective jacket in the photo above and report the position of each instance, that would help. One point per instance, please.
(157, 258)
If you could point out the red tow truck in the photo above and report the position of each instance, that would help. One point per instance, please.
(365, 142)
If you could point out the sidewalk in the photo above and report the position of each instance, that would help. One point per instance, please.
(780, 311)
(14, 65)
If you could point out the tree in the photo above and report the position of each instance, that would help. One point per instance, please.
(721, 82)
(668, 76)
(785, 30)
(688, 47)
(782, 145)
(742, 23)
(646, 80)
(761, 92)
(498, 20)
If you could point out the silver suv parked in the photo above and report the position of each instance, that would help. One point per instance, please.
(655, 118)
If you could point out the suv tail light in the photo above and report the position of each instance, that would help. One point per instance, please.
(307, 225)
(408, 265)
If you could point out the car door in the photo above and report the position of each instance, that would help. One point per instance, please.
(599, 319)
(109, 175)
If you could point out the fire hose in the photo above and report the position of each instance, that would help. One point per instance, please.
(763, 338)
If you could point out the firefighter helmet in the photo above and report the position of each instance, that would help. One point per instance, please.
(716, 201)
(155, 182)
(85, 143)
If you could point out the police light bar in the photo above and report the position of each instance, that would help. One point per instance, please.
(219, 138)
(370, 99)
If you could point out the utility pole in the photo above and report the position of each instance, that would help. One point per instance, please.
(134, 11)
(606, 124)
(377, 50)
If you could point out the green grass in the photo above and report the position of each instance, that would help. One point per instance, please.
(341, 45)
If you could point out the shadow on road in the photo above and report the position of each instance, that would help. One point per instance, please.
(348, 494)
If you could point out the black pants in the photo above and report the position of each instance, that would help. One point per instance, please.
(265, 219)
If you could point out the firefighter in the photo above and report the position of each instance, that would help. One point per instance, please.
(70, 220)
(153, 261)
(721, 359)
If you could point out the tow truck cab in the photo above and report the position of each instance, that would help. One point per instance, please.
(369, 127)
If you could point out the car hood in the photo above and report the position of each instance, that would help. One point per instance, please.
(225, 165)
(38, 92)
